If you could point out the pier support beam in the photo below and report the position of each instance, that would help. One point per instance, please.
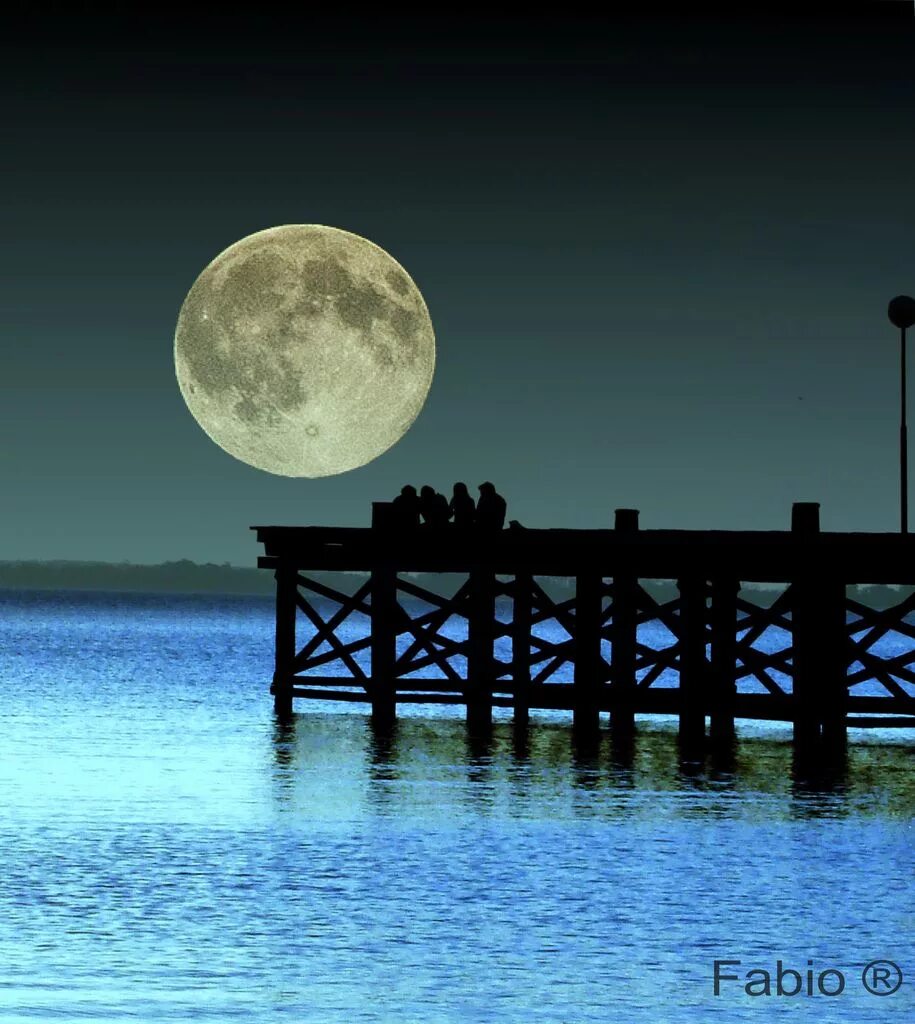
(805, 640)
(820, 689)
(287, 577)
(623, 634)
(521, 648)
(834, 678)
(588, 678)
(820, 669)
(693, 664)
(724, 658)
(480, 635)
(384, 649)
(383, 686)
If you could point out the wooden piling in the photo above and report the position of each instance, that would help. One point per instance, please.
(623, 633)
(383, 684)
(833, 682)
(588, 677)
(521, 647)
(805, 643)
(806, 625)
(693, 664)
(284, 656)
(724, 657)
(480, 637)
(820, 637)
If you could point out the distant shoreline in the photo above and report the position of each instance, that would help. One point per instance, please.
(181, 577)
(187, 577)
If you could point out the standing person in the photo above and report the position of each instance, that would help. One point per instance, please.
(490, 508)
(406, 507)
(462, 507)
(433, 507)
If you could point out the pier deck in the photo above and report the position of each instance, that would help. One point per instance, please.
(449, 653)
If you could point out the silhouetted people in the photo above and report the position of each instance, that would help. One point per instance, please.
(406, 507)
(433, 507)
(490, 508)
(462, 507)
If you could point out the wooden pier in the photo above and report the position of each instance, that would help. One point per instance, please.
(813, 681)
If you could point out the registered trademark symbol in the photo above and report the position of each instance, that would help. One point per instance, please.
(882, 977)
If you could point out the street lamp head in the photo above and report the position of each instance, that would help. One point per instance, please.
(901, 311)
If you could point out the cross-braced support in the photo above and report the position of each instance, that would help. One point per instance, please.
(505, 637)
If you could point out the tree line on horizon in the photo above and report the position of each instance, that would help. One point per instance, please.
(186, 576)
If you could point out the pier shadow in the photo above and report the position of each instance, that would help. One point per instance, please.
(382, 748)
(709, 757)
(283, 741)
(721, 755)
(324, 761)
(691, 756)
(521, 740)
(480, 731)
(585, 746)
(479, 748)
(283, 738)
(820, 780)
(622, 746)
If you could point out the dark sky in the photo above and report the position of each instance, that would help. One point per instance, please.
(657, 251)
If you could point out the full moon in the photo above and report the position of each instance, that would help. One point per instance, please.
(304, 350)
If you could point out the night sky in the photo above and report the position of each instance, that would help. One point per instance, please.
(657, 251)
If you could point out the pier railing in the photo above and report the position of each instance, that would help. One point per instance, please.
(417, 644)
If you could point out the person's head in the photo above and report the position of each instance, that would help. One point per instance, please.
(408, 491)
(486, 488)
(427, 491)
(461, 489)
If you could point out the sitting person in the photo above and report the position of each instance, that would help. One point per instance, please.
(433, 507)
(406, 507)
(462, 508)
(490, 508)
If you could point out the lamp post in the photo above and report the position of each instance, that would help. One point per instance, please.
(901, 312)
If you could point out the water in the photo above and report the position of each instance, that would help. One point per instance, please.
(171, 853)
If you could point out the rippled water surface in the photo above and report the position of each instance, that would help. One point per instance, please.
(171, 852)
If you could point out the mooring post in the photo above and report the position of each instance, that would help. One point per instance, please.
(480, 636)
(588, 678)
(624, 632)
(521, 647)
(287, 581)
(724, 657)
(693, 664)
(384, 616)
(806, 624)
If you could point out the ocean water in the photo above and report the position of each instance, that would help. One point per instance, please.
(171, 852)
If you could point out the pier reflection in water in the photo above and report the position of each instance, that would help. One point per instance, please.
(418, 766)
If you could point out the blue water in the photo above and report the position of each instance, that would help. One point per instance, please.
(172, 853)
